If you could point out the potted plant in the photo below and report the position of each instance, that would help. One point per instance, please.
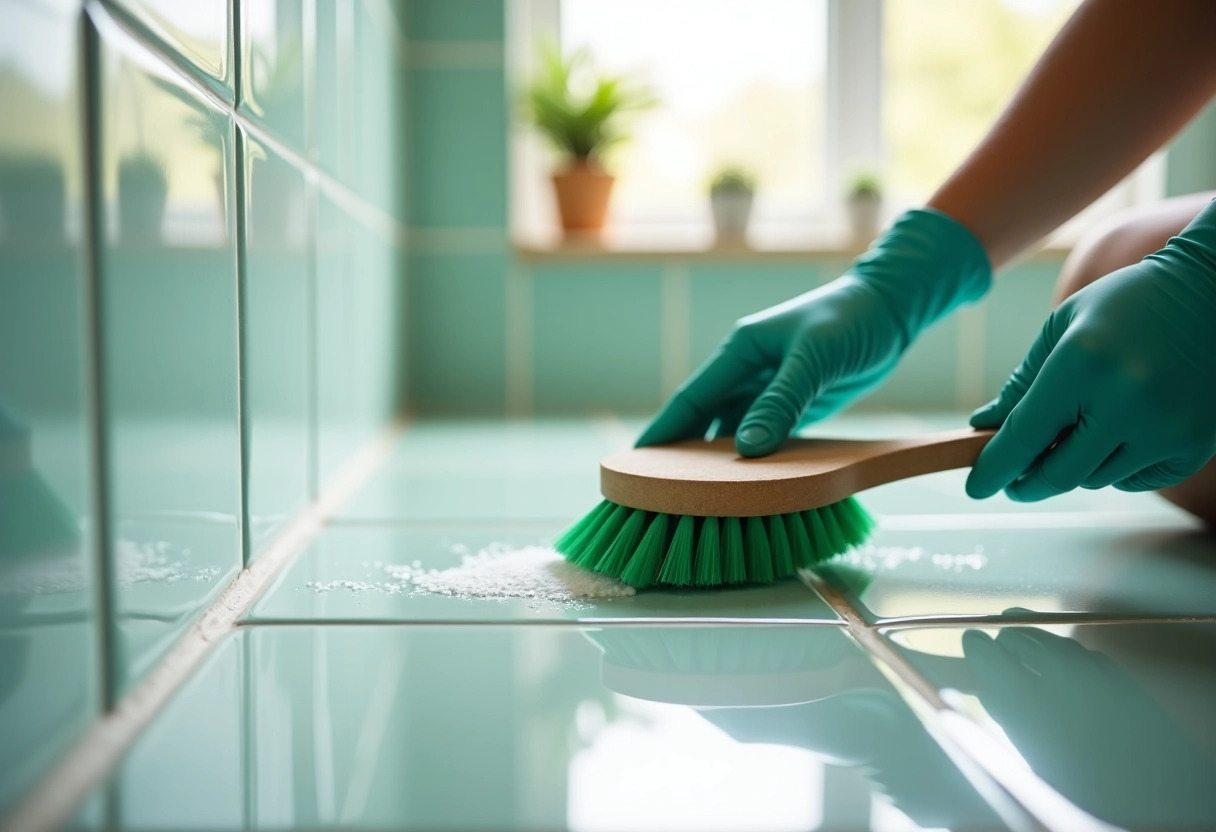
(864, 202)
(730, 200)
(581, 126)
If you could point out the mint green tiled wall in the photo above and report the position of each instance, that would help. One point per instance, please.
(596, 334)
(457, 331)
(458, 147)
(202, 278)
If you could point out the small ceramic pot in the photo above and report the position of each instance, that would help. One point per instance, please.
(864, 214)
(732, 211)
(583, 191)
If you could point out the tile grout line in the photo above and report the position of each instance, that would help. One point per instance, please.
(48, 804)
(615, 623)
(94, 325)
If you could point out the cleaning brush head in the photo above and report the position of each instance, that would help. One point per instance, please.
(647, 548)
(695, 513)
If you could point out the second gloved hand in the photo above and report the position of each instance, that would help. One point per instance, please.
(1120, 386)
(808, 357)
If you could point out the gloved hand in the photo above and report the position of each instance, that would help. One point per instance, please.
(810, 356)
(1091, 730)
(1123, 375)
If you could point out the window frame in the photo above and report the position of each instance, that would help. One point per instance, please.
(854, 139)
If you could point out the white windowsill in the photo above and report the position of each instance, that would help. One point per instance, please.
(699, 244)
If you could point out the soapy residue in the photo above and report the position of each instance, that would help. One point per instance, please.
(499, 571)
(885, 558)
(135, 563)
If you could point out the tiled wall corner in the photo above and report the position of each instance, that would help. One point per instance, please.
(277, 311)
(167, 276)
(167, 372)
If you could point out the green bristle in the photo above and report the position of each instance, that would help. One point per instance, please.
(854, 520)
(642, 548)
(821, 543)
(648, 556)
(619, 553)
(800, 542)
(779, 542)
(708, 568)
(602, 538)
(759, 557)
(677, 568)
(838, 540)
(572, 540)
(734, 570)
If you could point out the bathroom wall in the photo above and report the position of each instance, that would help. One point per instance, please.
(493, 332)
(202, 275)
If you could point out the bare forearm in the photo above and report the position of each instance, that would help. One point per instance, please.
(1120, 79)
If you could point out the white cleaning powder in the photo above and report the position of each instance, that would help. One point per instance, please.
(886, 558)
(499, 571)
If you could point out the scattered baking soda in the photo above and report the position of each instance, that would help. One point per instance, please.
(886, 558)
(498, 571)
(148, 562)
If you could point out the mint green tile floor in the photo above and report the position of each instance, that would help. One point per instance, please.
(508, 727)
(863, 697)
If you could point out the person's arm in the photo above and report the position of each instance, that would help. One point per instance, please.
(1120, 79)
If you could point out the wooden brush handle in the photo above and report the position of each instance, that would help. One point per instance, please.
(709, 479)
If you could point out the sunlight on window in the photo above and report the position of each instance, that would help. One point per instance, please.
(950, 67)
(740, 83)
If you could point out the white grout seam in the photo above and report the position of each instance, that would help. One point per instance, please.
(49, 804)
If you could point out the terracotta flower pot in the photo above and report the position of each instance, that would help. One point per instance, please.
(583, 190)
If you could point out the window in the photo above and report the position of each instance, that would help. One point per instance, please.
(740, 83)
(803, 93)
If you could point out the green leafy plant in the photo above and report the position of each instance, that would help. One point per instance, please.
(865, 183)
(734, 180)
(581, 125)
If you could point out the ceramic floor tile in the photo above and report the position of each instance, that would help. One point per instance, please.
(1116, 717)
(352, 572)
(1096, 570)
(459, 728)
(547, 469)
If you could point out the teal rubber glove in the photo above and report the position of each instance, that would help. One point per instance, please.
(808, 357)
(1120, 387)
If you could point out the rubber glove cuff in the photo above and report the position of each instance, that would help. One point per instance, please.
(925, 266)
(1194, 249)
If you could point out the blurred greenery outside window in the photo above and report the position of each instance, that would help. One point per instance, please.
(780, 87)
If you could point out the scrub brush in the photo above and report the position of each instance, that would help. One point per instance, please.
(695, 513)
